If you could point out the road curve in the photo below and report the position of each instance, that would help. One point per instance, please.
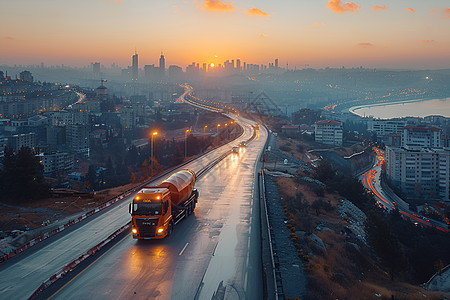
(215, 250)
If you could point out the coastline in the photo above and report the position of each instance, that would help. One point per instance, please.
(355, 108)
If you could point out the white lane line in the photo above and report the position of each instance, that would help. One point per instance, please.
(184, 248)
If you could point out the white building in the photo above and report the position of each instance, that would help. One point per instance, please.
(419, 172)
(429, 137)
(328, 132)
(385, 127)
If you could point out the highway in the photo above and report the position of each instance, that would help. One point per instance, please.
(372, 181)
(219, 243)
(35, 268)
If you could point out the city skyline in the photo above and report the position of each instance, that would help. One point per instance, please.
(405, 34)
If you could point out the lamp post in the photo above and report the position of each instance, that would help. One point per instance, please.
(204, 129)
(151, 152)
(185, 142)
(218, 125)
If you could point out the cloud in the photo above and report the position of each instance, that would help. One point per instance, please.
(427, 41)
(263, 35)
(256, 12)
(338, 7)
(216, 5)
(410, 9)
(375, 7)
(447, 12)
(316, 24)
(433, 10)
(365, 45)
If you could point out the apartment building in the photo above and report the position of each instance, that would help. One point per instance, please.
(329, 132)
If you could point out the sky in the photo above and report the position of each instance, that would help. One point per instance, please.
(405, 34)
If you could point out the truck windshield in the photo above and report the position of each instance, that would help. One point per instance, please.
(147, 209)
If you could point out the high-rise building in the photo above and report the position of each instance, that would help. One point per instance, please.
(276, 63)
(96, 68)
(162, 65)
(420, 173)
(238, 64)
(135, 67)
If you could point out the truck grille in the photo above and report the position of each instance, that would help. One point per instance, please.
(147, 227)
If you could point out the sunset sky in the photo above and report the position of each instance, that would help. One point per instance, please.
(317, 33)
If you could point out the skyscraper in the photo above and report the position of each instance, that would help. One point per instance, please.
(238, 64)
(96, 68)
(134, 67)
(162, 65)
(276, 63)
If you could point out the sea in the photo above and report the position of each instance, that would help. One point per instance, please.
(410, 108)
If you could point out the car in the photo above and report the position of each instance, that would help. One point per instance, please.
(243, 144)
(235, 149)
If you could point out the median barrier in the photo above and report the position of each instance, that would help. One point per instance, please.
(73, 264)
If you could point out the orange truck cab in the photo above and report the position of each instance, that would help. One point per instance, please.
(155, 210)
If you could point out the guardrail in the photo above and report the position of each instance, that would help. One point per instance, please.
(272, 274)
(436, 274)
(73, 264)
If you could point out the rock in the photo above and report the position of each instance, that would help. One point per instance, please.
(316, 244)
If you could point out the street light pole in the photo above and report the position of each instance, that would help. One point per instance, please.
(204, 129)
(185, 143)
(218, 125)
(151, 153)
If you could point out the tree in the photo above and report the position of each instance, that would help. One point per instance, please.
(317, 205)
(22, 176)
(110, 172)
(92, 176)
(178, 155)
(324, 171)
(133, 178)
(385, 243)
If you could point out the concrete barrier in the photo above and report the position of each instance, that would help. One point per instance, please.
(73, 264)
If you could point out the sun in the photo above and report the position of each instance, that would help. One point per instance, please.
(212, 65)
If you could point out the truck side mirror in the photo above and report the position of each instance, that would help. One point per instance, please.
(129, 208)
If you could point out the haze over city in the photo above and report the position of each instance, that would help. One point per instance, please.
(382, 34)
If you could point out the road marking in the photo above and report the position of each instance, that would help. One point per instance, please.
(184, 248)
(87, 268)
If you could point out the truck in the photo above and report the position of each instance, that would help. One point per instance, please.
(155, 210)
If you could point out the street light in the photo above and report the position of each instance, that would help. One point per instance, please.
(204, 129)
(151, 151)
(218, 125)
(185, 142)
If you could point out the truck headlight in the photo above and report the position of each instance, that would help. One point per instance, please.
(160, 230)
(134, 230)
